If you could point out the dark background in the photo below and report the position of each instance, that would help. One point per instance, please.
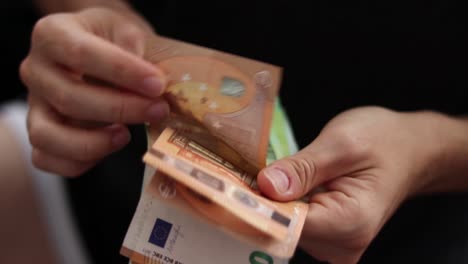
(16, 21)
(404, 55)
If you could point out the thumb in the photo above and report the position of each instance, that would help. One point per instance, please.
(294, 176)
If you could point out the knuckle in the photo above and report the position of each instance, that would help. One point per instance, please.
(28, 73)
(130, 37)
(41, 28)
(64, 168)
(53, 34)
(76, 50)
(24, 72)
(304, 169)
(130, 33)
(45, 25)
(38, 161)
(119, 68)
(36, 134)
(63, 101)
(24, 69)
(118, 110)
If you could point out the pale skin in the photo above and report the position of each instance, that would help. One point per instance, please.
(24, 237)
(68, 50)
(368, 160)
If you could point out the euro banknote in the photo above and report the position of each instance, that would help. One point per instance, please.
(231, 96)
(224, 127)
(192, 236)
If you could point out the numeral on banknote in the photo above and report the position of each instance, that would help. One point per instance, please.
(258, 257)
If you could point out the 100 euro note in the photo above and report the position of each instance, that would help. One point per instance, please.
(173, 224)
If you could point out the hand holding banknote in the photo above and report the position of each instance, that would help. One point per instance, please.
(214, 144)
(86, 78)
(367, 161)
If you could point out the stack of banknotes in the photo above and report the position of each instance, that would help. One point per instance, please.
(200, 202)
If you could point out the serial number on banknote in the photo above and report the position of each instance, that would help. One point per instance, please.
(158, 256)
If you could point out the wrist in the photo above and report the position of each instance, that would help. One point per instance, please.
(446, 169)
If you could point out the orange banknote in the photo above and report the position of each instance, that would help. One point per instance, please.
(226, 185)
(229, 95)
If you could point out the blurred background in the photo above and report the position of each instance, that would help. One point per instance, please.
(16, 21)
(409, 56)
(22, 236)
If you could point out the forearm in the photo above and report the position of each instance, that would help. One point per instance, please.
(54, 6)
(449, 169)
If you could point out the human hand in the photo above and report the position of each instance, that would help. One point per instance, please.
(366, 161)
(87, 78)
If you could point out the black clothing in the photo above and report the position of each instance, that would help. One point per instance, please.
(404, 56)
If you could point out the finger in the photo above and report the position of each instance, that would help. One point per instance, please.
(50, 135)
(130, 38)
(341, 223)
(323, 160)
(85, 101)
(69, 44)
(59, 165)
(334, 231)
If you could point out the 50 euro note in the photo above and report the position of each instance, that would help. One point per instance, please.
(173, 224)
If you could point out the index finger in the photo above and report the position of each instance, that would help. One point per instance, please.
(85, 53)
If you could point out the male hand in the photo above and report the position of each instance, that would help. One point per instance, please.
(366, 162)
(87, 78)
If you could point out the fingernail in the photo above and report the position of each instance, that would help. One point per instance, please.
(278, 179)
(152, 86)
(120, 138)
(157, 112)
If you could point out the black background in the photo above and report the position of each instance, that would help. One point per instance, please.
(16, 21)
